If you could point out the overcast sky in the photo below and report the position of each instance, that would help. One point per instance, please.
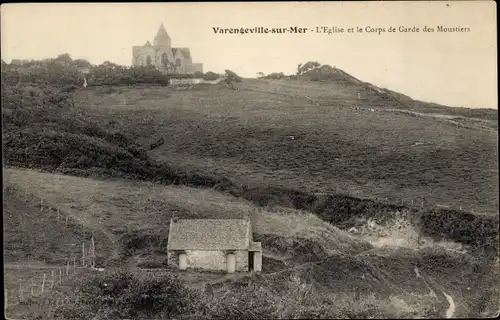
(457, 69)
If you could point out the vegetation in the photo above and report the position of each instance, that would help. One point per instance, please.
(266, 145)
(26, 237)
(42, 129)
(76, 143)
(233, 77)
(275, 76)
(340, 286)
(121, 294)
(211, 76)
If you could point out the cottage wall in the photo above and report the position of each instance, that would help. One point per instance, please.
(175, 82)
(210, 259)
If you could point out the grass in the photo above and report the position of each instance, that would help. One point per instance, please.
(333, 263)
(272, 139)
(26, 237)
(131, 212)
(246, 135)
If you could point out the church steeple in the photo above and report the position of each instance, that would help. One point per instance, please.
(162, 38)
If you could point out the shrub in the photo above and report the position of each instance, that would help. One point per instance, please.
(130, 295)
(233, 77)
(275, 76)
(242, 303)
(211, 76)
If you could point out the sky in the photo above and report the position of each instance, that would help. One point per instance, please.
(452, 68)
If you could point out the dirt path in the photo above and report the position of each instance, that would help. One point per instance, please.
(451, 308)
(433, 289)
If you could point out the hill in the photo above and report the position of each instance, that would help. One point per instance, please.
(300, 251)
(305, 159)
(284, 132)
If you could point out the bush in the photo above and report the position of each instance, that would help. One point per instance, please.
(233, 77)
(275, 76)
(211, 76)
(113, 74)
(242, 303)
(123, 294)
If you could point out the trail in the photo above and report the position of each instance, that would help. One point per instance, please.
(451, 309)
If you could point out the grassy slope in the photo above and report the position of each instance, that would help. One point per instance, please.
(30, 250)
(26, 237)
(245, 134)
(120, 209)
(346, 269)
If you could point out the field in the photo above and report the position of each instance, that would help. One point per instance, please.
(333, 176)
(275, 133)
(298, 247)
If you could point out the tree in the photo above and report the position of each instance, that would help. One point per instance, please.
(198, 74)
(307, 67)
(211, 76)
(260, 74)
(168, 66)
(64, 58)
(82, 63)
(232, 76)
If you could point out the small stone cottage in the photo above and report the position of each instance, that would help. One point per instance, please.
(213, 244)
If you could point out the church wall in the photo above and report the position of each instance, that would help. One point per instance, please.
(162, 44)
(143, 53)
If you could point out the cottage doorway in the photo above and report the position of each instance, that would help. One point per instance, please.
(250, 260)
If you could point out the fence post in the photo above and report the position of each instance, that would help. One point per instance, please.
(25, 194)
(66, 222)
(67, 267)
(83, 254)
(41, 205)
(89, 256)
(43, 283)
(53, 279)
(32, 288)
(60, 275)
(57, 214)
(74, 265)
(93, 250)
(21, 294)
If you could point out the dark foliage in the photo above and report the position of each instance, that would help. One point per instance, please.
(211, 76)
(122, 295)
(275, 76)
(233, 77)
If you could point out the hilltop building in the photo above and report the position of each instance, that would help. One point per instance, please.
(165, 58)
(213, 244)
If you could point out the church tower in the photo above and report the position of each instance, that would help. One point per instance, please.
(162, 39)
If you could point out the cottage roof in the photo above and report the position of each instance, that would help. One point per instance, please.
(209, 234)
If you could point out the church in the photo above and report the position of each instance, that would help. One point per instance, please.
(164, 57)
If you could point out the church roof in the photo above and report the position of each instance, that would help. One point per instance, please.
(209, 234)
(162, 33)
